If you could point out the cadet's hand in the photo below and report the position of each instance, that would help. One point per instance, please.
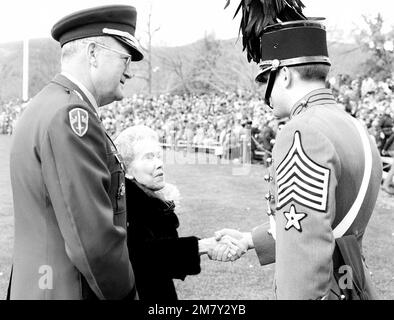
(227, 249)
(244, 238)
(223, 250)
(232, 245)
(229, 232)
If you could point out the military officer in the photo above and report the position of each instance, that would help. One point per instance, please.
(325, 172)
(67, 176)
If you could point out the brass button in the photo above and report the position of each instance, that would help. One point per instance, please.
(268, 178)
(269, 196)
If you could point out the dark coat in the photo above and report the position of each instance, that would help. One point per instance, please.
(156, 252)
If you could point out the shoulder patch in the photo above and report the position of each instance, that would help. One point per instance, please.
(79, 121)
(301, 180)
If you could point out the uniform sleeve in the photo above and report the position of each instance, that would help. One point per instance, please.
(264, 245)
(77, 180)
(263, 241)
(307, 169)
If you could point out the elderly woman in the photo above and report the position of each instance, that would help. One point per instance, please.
(156, 252)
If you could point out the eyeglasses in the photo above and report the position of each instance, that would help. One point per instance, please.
(126, 56)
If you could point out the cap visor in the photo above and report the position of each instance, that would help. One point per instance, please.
(136, 53)
(263, 75)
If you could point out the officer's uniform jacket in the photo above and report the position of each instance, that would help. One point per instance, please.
(68, 189)
(318, 166)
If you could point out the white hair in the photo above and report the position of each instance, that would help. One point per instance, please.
(72, 48)
(126, 141)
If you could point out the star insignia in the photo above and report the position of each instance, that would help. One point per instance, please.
(294, 218)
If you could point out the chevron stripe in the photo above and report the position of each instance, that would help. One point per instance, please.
(297, 148)
(299, 159)
(301, 174)
(308, 195)
(294, 179)
(301, 180)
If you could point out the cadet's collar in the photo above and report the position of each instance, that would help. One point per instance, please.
(87, 93)
(314, 98)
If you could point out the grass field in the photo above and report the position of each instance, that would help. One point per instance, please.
(213, 198)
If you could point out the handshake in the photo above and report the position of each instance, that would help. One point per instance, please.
(226, 245)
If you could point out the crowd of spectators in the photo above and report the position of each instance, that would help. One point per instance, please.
(223, 120)
(207, 120)
(373, 103)
(370, 101)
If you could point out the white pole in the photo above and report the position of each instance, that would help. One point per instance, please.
(25, 86)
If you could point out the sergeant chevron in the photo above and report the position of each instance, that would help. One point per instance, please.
(301, 179)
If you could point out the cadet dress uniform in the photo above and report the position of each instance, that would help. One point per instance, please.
(317, 175)
(68, 185)
(326, 170)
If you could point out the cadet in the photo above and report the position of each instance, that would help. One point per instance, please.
(67, 176)
(326, 170)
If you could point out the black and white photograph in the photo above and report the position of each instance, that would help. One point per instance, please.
(175, 150)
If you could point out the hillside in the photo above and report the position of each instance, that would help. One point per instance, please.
(175, 67)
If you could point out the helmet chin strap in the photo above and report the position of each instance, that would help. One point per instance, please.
(271, 81)
(268, 90)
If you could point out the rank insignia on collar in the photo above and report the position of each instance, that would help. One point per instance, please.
(294, 219)
(79, 121)
(302, 180)
(78, 94)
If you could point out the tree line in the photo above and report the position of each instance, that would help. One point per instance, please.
(208, 65)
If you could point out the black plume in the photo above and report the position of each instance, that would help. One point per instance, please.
(258, 14)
